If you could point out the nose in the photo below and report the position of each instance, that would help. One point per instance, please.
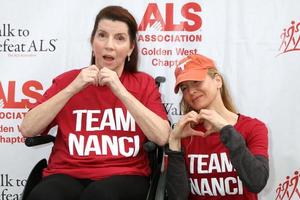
(109, 43)
(191, 89)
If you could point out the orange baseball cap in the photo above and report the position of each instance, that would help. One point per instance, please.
(192, 68)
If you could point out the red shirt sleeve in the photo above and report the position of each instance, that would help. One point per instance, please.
(257, 141)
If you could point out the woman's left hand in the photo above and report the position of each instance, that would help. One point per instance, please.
(111, 79)
(213, 121)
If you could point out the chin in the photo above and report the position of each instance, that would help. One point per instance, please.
(194, 107)
(199, 106)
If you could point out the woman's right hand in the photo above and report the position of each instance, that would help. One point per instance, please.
(87, 76)
(184, 126)
(184, 129)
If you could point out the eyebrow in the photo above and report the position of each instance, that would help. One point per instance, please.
(121, 33)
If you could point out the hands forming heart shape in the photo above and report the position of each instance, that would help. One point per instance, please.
(212, 122)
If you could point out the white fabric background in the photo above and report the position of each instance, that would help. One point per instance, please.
(243, 37)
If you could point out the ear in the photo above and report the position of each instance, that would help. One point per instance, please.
(93, 49)
(219, 80)
(131, 48)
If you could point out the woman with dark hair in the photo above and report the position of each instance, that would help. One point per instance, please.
(214, 152)
(104, 113)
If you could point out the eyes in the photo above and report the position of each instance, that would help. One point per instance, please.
(119, 37)
(189, 85)
(182, 88)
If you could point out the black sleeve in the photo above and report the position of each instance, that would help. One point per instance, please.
(252, 170)
(177, 177)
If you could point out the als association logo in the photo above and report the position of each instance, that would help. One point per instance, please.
(168, 31)
(290, 38)
(289, 189)
(30, 89)
(158, 25)
(154, 19)
(15, 98)
(16, 42)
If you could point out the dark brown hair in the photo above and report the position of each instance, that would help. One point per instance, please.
(118, 13)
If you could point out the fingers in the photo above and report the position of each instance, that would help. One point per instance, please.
(104, 76)
(184, 126)
(90, 75)
(206, 114)
(107, 76)
(198, 133)
(191, 117)
(213, 121)
(86, 76)
(98, 77)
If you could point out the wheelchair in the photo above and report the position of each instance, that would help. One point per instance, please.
(157, 186)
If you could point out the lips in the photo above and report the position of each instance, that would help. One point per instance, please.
(108, 58)
(195, 99)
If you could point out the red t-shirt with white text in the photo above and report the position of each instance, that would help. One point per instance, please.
(211, 174)
(97, 137)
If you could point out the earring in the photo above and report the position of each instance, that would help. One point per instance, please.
(128, 58)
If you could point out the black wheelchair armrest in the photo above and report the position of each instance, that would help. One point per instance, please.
(159, 80)
(155, 155)
(150, 146)
(39, 140)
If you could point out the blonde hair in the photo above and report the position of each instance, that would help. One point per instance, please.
(226, 98)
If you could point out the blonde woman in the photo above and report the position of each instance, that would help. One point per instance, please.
(214, 151)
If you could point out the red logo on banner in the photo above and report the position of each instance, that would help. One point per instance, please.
(153, 18)
(289, 189)
(290, 38)
(29, 89)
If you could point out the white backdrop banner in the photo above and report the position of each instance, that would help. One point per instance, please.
(255, 44)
